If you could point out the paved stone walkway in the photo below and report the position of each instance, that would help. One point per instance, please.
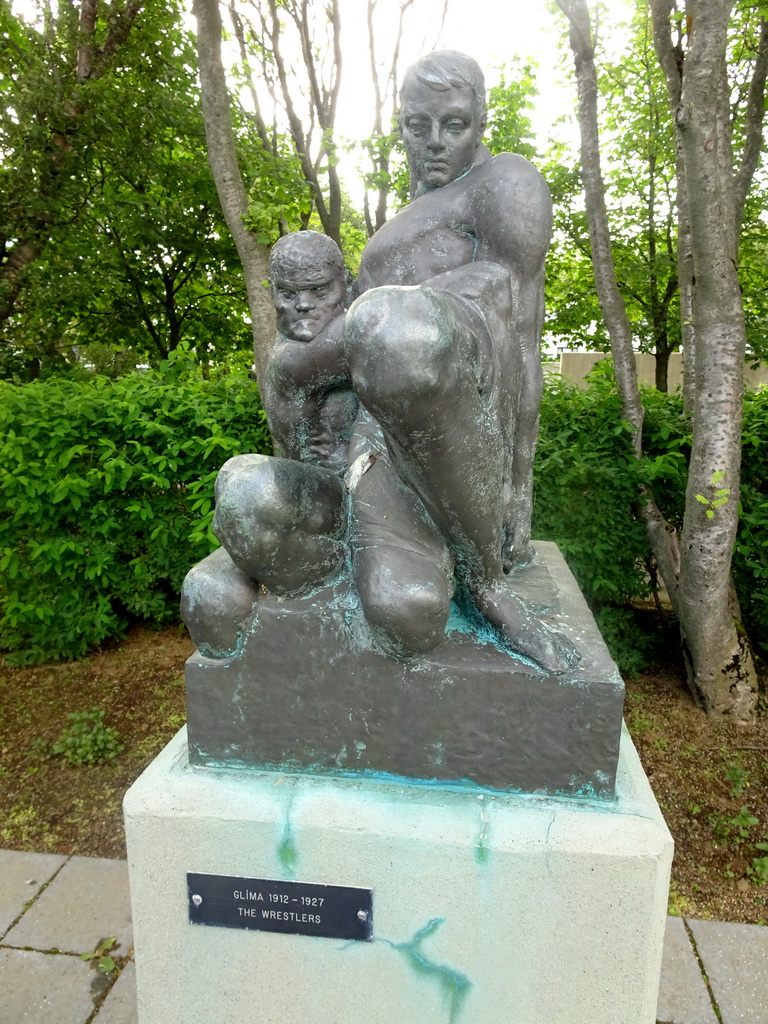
(52, 909)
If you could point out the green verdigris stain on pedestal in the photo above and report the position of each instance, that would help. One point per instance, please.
(482, 851)
(455, 986)
(287, 853)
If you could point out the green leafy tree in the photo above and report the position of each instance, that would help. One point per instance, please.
(640, 182)
(572, 312)
(306, 89)
(509, 102)
(638, 150)
(649, 222)
(56, 79)
(134, 256)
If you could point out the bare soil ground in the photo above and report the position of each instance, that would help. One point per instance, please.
(710, 779)
(50, 806)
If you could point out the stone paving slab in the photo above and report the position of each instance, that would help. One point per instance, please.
(120, 1005)
(683, 996)
(22, 875)
(735, 957)
(46, 988)
(86, 902)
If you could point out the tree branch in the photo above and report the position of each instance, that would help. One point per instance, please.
(222, 157)
(85, 49)
(261, 128)
(118, 33)
(753, 126)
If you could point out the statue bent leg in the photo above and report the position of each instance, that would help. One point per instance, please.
(282, 524)
(400, 562)
(413, 358)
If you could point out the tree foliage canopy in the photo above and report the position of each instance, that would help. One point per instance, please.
(639, 166)
(111, 236)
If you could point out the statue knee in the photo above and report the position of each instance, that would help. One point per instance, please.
(406, 616)
(247, 503)
(281, 521)
(398, 345)
(414, 626)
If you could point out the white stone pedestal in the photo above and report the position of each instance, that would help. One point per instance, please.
(487, 908)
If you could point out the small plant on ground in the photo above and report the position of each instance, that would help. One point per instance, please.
(638, 720)
(732, 831)
(737, 778)
(678, 904)
(101, 956)
(87, 740)
(743, 822)
(757, 871)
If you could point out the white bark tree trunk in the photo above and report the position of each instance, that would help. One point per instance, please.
(222, 157)
(720, 656)
(697, 572)
(670, 57)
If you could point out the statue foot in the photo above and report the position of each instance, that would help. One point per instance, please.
(517, 557)
(517, 550)
(524, 632)
(216, 600)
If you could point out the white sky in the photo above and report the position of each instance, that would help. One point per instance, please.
(493, 32)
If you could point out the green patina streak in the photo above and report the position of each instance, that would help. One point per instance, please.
(455, 986)
(482, 852)
(287, 853)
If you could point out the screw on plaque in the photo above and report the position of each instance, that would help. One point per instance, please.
(362, 915)
(197, 900)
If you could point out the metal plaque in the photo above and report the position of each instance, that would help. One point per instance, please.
(269, 905)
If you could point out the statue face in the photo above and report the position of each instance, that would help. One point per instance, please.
(306, 301)
(441, 132)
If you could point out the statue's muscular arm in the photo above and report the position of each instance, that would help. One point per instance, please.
(513, 224)
(298, 379)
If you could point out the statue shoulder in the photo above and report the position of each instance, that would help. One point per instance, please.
(513, 210)
(511, 172)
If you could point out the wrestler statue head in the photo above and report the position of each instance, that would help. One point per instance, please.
(442, 119)
(307, 283)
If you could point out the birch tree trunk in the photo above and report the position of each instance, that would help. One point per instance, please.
(719, 651)
(697, 571)
(670, 56)
(222, 157)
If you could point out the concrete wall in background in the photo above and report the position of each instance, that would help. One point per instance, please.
(577, 365)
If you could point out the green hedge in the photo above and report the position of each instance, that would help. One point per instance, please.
(750, 557)
(586, 480)
(106, 491)
(584, 486)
